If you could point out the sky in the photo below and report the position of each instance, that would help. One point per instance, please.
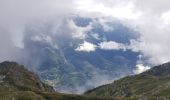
(150, 18)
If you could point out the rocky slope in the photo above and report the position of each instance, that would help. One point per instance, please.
(14, 77)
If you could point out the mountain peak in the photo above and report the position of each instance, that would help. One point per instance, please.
(7, 66)
(160, 70)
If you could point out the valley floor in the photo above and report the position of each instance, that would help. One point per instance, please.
(30, 95)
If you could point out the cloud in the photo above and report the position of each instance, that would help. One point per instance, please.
(78, 31)
(154, 40)
(105, 23)
(111, 45)
(119, 9)
(154, 30)
(86, 47)
(16, 16)
(140, 68)
(47, 39)
(149, 18)
(107, 45)
(166, 17)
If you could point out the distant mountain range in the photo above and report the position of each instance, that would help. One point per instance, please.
(58, 63)
(153, 84)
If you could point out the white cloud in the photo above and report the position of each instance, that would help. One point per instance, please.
(154, 30)
(119, 9)
(166, 17)
(140, 68)
(44, 39)
(111, 45)
(96, 36)
(104, 22)
(105, 45)
(86, 47)
(155, 39)
(17, 15)
(78, 31)
(149, 18)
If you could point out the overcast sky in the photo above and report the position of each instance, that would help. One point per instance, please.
(151, 18)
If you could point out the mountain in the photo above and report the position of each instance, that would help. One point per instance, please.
(14, 77)
(153, 83)
(53, 56)
(18, 83)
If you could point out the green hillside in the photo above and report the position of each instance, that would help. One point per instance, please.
(154, 83)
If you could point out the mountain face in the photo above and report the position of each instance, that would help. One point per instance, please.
(17, 83)
(152, 83)
(14, 77)
(55, 58)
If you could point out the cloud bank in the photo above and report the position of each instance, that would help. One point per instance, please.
(16, 16)
(149, 18)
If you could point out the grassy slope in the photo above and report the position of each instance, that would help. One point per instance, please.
(30, 95)
(154, 83)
